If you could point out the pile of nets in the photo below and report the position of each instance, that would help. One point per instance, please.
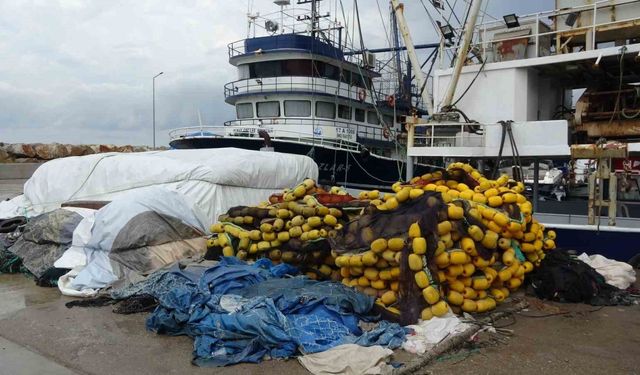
(448, 240)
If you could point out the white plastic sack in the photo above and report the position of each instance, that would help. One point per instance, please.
(348, 359)
(618, 274)
(213, 179)
(430, 332)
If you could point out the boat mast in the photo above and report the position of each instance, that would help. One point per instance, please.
(396, 46)
(462, 52)
(314, 15)
(421, 78)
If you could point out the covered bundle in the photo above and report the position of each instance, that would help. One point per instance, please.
(292, 228)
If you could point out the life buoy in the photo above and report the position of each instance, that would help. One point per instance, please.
(386, 133)
(362, 94)
(391, 100)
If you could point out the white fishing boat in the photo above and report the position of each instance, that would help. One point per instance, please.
(507, 90)
(303, 88)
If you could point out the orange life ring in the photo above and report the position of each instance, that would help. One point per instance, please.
(362, 95)
(391, 100)
(386, 133)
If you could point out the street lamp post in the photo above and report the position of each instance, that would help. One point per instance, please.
(154, 108)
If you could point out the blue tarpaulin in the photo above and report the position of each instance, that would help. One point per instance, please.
(242, 313)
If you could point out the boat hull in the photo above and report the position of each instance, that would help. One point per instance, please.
(618, 245)
(336, 167)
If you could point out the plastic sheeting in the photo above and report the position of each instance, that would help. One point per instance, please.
(430, 332)
(348, 359)
(214, 179)
(142, 231)
(46, 237)
(618, 274)
(243, 313)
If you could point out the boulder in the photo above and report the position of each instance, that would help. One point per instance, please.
(126, 148)
(21, 150)
(4, 156)
(51, 151)
(107, 148)
(74, 150)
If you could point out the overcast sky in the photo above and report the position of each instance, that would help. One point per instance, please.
(77, 71)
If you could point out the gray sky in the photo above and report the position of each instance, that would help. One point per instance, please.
(79, 71)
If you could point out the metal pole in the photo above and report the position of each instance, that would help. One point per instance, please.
(154, 108)
(410, 142)
(462, 52)
(413, 57)
(536, 171)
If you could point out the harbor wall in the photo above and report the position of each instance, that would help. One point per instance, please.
(41, 152)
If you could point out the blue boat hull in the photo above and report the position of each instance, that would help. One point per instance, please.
(617, 245)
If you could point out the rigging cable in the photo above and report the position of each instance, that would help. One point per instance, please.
(374, 94)
(470, 84)
(615, 109)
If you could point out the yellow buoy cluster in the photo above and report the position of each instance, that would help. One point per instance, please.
(282, 229)
(483, 253)
(478, 250)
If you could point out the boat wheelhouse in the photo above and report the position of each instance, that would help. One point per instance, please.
(307, 92)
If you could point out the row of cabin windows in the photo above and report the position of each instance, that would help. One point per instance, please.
(306, 68)
(302, 108)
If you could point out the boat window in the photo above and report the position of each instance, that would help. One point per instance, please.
(372, 118)
(356, 80)
(297, 108)
(325, 110)
(294, 67)
(388, 120)
(324, 70)
(301, 68)
(344, 112)
(359, 80)
(266, 69)
(345, 76)
(268, 109)
(244, 110)
(359, 114)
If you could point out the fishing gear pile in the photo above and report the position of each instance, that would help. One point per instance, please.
(447, 240)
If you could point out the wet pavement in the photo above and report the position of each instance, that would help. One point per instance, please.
(10, 188)
(96, 340)
(37, 331)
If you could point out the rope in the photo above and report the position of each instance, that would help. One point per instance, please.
(470, 84)
(367, 172)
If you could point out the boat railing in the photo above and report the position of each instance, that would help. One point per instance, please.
(342, 129)
(448, 135)
(473, 140)
(589, 24)
(340, 138)
(298, 84)
(238, 48)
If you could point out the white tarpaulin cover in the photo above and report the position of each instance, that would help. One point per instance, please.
(213, 179)
(136, 234)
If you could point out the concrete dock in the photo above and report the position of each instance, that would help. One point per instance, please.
(37, 330)
(39, 335)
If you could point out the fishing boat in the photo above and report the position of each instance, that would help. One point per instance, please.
(303, 89)
(555, 85)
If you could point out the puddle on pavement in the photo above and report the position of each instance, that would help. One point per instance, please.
(18, 292)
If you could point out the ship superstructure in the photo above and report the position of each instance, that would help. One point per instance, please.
(303, 89)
